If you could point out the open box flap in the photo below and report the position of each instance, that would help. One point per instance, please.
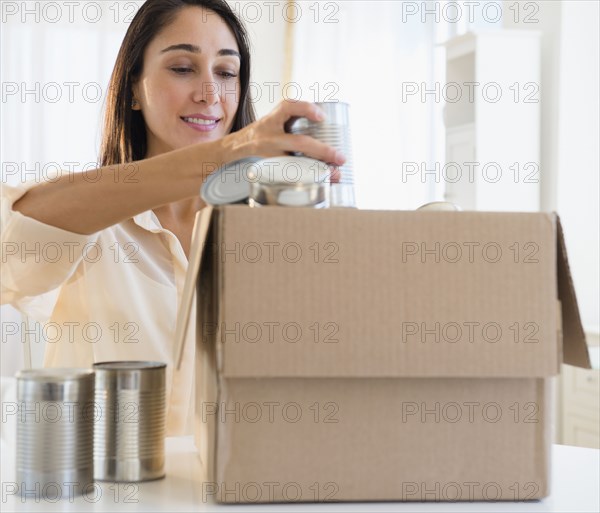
(199, 234)
(575, 349)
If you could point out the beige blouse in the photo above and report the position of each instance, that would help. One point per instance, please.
(112, 295)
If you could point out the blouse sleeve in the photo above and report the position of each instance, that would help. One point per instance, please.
(37, 258)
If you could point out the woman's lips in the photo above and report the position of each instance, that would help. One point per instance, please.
(202, 127)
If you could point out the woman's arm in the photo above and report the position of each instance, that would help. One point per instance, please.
(77, 204)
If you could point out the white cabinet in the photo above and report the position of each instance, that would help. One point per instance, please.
(580, 407)
(492, 117)
(578, 421)
(579, 403)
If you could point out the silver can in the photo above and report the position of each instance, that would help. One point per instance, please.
(334, 131)
(55, 429)
(289, 182)
(130, 434)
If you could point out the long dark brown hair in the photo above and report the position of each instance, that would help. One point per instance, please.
(124, 130)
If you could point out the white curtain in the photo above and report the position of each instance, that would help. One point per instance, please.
(374, 55)
(56, 61)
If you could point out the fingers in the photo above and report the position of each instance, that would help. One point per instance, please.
(288, 109)
(313, 148)
(268, 138)
(336, 174)
(305, 144)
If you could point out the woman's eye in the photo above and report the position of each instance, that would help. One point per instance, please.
(182, 71)
(227, 74)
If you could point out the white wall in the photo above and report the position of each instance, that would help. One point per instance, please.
(570, 134)
(267, 37)
(577, 187)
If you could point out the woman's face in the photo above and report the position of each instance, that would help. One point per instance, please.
(189, 89)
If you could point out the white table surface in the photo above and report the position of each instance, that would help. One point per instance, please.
(575, 488)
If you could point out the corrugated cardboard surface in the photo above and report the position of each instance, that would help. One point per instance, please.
(374, 292)
(382, 439)
(430, 338)
(575, 350)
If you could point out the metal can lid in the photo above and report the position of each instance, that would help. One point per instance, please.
(440, 205)
(130, 375)
(228, 184)
(54, 374)
(128, 365)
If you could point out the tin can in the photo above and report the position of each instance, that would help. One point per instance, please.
(334, 131)
(130, 434)
(55, 429)
(289, 182)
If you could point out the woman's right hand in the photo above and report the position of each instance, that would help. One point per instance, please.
(267, 136)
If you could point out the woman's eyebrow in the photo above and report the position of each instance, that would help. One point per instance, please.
(196, 49)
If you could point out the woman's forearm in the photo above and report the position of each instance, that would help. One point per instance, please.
(88, 202)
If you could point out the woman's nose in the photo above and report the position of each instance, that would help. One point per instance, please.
(207, 91)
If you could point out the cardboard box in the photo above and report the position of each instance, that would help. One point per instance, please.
(347, 355)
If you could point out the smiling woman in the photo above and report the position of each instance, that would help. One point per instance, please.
(176, 70)
(110, 254)
(164, 72)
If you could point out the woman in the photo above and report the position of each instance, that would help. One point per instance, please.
(109, 254)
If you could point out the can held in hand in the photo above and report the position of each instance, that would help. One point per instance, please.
(55, 430)
(334, 131)
(129, 442)
(289, 182)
